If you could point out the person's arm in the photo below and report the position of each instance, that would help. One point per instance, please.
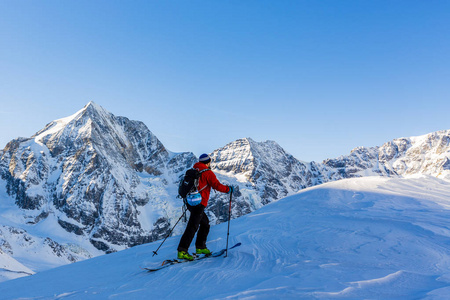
(215, 184)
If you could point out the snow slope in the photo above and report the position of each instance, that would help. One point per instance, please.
(11, 268)
(373, 237)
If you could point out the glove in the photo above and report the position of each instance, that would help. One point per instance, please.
(231, 189)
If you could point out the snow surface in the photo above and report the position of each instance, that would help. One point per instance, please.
(361, 238)
(11, 268)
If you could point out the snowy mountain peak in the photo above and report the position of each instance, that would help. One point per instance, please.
(93, 105)
(265, 165)
(94, 171)
(92, 109)
(77, 126)
(246, 156)
(235, 157)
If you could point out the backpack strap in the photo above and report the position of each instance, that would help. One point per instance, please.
(204, 170)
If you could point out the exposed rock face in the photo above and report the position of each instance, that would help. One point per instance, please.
(264, 166)
(92, 167)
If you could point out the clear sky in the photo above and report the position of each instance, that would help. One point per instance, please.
(318, 77)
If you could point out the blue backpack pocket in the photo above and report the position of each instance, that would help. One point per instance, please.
(194, 199)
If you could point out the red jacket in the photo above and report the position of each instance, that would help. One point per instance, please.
(207, 181)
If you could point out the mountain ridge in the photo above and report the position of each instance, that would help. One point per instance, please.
(427, 154)
(110, 184)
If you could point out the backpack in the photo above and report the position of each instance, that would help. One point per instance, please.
(188, 188)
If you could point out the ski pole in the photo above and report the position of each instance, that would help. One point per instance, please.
(156, 252)
(229, 218)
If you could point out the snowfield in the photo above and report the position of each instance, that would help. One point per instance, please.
(363, 238)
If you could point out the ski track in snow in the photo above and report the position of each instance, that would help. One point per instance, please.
(367, 238)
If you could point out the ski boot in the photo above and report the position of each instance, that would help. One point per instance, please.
(185, 255)
(205, 251)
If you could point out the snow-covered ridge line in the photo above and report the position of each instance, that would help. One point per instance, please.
(428, 154)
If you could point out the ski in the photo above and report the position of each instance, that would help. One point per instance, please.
(170, 262)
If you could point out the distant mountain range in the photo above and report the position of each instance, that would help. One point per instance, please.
(96, 183)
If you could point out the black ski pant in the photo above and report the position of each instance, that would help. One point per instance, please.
(197, 221)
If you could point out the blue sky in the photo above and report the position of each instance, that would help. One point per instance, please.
(318, 77)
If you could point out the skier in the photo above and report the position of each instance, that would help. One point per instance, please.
(198, 219)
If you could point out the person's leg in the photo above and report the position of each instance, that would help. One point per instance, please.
(191, 227)
(202, 233)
